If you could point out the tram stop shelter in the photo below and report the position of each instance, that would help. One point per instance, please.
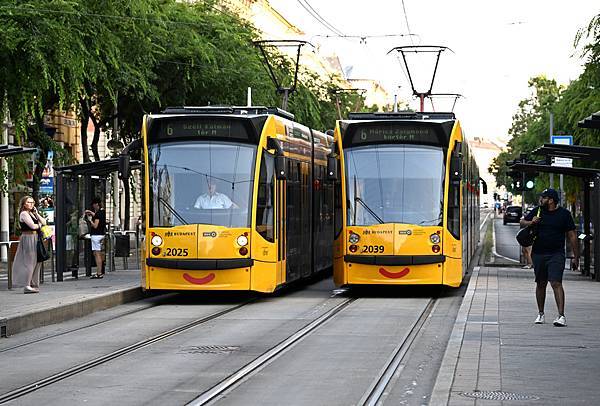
(76, 186)
(9, 150)
(590, 178)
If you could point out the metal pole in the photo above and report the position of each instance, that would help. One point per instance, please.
(551, 131)
(9, 269)
(284, 102)
(115, 176)
(249, 98)
(586, 226)
(4, 203)
(422, 97)
(395, 103)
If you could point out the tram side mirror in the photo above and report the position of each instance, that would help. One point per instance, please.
(332, 168)
(483, 186)
(123, 166)
(280, 167)
(456, 169)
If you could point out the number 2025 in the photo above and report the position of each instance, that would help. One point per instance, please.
(176, 252)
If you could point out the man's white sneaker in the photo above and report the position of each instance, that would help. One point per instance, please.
(539, 319)
(560, 321)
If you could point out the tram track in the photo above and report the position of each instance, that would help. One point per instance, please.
(377, 390)
(90, 325)
(57, 377)
(274, 352)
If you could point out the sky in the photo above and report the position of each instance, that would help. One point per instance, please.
(496, 48)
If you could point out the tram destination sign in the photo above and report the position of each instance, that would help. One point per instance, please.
(392, 133)
(198, 128)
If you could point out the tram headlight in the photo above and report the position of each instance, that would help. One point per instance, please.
(155, 250)
(435, 238)
(354, 238)
(242, 240)
(435, 249)
(156, 240)
(353, 248)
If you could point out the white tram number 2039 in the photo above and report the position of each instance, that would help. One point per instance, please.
(372, 249)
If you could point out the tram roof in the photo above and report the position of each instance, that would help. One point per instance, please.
(403, 115)
(240, 111)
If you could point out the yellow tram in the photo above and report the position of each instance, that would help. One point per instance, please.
(235, 199)
(408, 205)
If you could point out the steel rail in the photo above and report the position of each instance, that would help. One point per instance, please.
(374, 393)
(24, 390)
(259, 362)
(90, 325)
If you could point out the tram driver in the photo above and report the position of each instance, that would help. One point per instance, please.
(213, 199)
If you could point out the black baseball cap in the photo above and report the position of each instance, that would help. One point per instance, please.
(552, 194)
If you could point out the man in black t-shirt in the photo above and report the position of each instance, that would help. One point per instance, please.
(98, 229)
(548, 252)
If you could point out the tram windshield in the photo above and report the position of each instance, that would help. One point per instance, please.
(201, 183)
(395, 184)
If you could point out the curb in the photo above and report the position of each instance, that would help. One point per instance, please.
(27, 321)
(443, 383)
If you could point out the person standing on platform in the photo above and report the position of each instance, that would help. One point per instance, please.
(548, 251)
(98, 229)
(26, 267)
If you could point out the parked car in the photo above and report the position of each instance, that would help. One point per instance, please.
(512, 214)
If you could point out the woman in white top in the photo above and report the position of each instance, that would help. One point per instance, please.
(26, 269)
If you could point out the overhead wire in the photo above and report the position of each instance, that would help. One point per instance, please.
(406, 19)
(315, 14)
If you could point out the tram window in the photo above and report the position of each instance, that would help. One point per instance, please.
(266, 198)
(184, 174)
(394, 184)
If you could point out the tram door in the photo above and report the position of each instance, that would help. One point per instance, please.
(298, 249)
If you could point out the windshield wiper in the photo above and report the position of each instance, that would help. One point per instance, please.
(172, 210)
(361, 201)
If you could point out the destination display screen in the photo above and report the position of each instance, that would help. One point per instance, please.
(199, 128)
(394, 132)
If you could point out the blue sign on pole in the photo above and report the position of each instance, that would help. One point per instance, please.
(562, 140)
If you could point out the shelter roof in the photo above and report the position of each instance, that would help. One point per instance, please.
(569, 151)
(8, 150)
(592, 121)
(99, 168)
(578, 172)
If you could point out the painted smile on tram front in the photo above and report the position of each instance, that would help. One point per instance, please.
(199, 281)
(394, 275)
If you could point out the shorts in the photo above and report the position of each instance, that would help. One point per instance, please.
(97, 241)
(548, 267)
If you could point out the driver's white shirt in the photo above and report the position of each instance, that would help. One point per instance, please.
(216, 201)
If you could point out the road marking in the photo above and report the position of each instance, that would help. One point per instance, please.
(484, 220)
(494, 245)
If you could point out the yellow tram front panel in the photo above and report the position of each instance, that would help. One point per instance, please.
(391, 242)
(215, 245)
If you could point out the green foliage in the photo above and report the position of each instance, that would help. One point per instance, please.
(141, 55)
(569, 105)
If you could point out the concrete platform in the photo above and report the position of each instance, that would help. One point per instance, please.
(61, 301)
(496, 352)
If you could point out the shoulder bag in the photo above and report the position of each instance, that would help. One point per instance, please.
(42, 251)
(527, 235)
(84, 227)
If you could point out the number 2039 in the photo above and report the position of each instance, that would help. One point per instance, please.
(374, 249)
